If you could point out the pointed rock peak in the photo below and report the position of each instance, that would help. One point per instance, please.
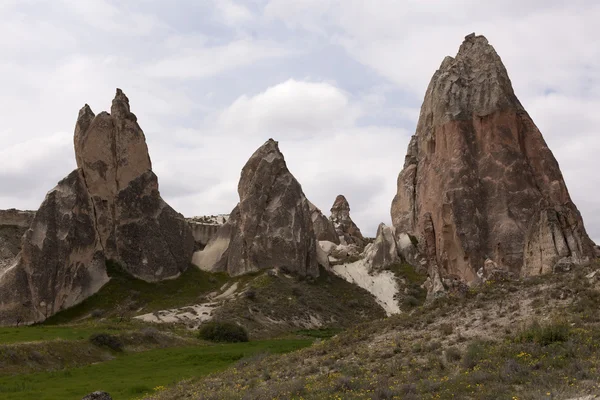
(120, 106)
(84, 119)
(270, 147)
(340, 204)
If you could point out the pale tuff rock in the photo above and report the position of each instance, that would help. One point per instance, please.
(271, 227)
(346, 229)
(136, 227)
(61, 262)
(204, 228)
(479, 181)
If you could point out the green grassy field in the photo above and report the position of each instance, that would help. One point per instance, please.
(134, 375)
(41, 333)
(124, 295)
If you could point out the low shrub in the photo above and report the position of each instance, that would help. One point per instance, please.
(223, 332)
(545, 334)
(106, 340)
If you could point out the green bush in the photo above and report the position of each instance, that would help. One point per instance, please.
(223, 332)
(106, 340)
(552, 332)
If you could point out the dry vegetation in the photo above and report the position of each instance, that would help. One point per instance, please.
(533, 339)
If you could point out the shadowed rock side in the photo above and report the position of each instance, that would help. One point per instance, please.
(13, 224)
(61, 262)
(136, 227)
(479, 181)
(346, 229)
(324, 229)
(271, 227)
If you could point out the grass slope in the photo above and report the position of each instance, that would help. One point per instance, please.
(532, 339)
(131, 376)
(123, 295)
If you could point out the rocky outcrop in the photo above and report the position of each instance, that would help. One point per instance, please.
(271, 226)
(62, 261)
(13, 225)
(346, 229)
(107, 209)
(324, 229)
(204, 228)
(97, 396)
(479, 181)
(136, 227)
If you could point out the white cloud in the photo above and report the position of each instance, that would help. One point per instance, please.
(204, 62)
(293, 108)
(233, 13)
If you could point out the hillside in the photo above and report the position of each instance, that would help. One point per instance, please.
(536, 338)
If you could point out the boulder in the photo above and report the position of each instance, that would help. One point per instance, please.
(137, 228)
(271, 227)
(61, 262)
(479, 181)
(346, 229)
(383, 251)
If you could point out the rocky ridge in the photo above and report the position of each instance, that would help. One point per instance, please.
(479, 183)
(109, 208)
(271, 227)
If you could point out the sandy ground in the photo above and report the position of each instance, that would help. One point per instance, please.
(382, 284)
(194, 315)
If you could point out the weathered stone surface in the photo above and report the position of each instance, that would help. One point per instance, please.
(383, 251)
(324, 229)
(479, 180)
(345, 228)
(271, 227)
(136, 227)
(61, 262)
(13, 225)
(204, 228)
(97, 396)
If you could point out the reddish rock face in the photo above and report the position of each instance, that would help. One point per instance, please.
(479, 181)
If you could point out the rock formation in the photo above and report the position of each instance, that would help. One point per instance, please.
(271, 226)
(204, 228)
(107, 209)
(324, 229)
(137, 228)
(61, 262)
(479, 181)
(346, 229)
(13, 224)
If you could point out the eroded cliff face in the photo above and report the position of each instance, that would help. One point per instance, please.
(271, 227)
(13, 225)
(61, 262)
(107, 209)
(137, 228)
(479, 181)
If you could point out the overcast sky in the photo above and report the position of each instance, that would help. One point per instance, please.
(337, 82)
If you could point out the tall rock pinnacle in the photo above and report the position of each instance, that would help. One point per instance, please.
(271, 227)
(109, 208)
(479, 181)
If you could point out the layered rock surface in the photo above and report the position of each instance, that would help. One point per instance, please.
(107, 209)
(271, 227)
(13, 225)
(479, 182)
(61, 262)
(204, 228)
(136, 227)
(346, 229)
